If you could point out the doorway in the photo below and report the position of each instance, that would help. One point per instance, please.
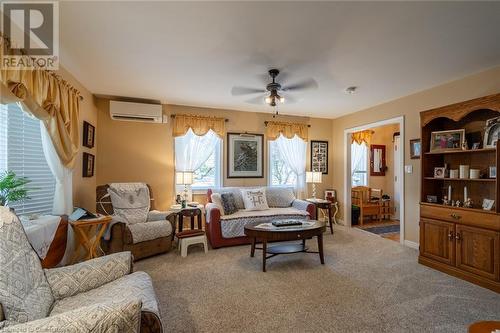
(381, 183)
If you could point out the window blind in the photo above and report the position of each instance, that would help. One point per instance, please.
(21, 151)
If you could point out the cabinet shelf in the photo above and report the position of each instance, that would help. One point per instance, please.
(490, 180)
(469, 151)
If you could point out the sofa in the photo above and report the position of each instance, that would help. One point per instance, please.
(98, 295)
(228, 230)
(119, 238)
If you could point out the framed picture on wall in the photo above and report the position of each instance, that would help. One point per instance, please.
(245, 155)
(415, 149)
(88, 165)
(319, 156)
(88, 135)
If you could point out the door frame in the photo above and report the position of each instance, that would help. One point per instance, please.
(347, 169)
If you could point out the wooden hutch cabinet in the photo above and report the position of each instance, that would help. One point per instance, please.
(464, 242)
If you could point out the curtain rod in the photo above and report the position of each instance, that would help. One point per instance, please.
(173, 116)
(266, 122)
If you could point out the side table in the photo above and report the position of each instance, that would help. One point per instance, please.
(188, 211)
(327, 205)
(88, 234)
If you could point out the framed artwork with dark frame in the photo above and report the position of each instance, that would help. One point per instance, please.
(88, 165)
(415, 149)
(88, 135)
(245, 155)
(377, 160)
(319, 156)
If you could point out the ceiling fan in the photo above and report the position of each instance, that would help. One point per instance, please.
(275, 92)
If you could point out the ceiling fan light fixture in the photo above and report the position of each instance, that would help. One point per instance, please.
(268, 99)
(281, 99)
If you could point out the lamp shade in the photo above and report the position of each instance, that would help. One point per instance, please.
(313, 177)
(184, 178)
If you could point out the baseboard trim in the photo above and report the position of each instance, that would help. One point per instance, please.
(411, 244)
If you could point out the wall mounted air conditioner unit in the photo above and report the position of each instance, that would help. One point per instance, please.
(128, 111)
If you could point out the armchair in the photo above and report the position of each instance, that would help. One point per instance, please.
(93, 296)
(120, 237)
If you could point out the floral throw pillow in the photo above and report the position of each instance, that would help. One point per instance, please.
(255, 199)
(228, 203)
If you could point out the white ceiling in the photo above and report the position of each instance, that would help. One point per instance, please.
(193, 53)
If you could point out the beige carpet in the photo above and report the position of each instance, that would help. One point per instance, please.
(368, 284)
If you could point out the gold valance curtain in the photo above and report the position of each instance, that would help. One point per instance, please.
(199, 124)
(48, 98)
(362, 136)
(289, 130)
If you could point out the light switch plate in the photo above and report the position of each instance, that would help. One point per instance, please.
(409, 168)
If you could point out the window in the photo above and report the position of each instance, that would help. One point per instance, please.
(209, 173)
(281, 174)
(21, 152)
(287, 162)
(359, 164)
(202, 155)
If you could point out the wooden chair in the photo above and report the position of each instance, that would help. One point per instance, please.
(369, 202)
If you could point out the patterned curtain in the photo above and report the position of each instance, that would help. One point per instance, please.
(289, 130)
(199, 124)
(362, 136)
(47, 97)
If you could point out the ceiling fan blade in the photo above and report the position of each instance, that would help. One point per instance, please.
(289, 99)
(259, 100)
(238, 91)
(303, 85)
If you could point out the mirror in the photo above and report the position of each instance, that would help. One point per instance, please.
(377, 160)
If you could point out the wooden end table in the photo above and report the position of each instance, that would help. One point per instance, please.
(88, 234)
(281, 234)
(188, 211)
(327, 205)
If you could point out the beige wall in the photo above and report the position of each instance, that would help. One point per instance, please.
(132, 151)
(383, 135)
(481, 84)
(83, 188)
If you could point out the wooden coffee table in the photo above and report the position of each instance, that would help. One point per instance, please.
(282, 234)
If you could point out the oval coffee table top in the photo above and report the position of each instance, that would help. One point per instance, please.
(268, 227)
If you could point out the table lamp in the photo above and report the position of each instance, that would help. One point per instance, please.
(313, 177)
(184, 178)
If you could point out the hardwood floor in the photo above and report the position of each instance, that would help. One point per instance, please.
(392, 236)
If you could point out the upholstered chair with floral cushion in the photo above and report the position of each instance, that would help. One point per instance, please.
(98, 295)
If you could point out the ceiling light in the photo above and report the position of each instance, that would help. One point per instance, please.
(268, 100)
(351, 90)
(282, 99)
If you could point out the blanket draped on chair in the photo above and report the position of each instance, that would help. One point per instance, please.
(131, 204)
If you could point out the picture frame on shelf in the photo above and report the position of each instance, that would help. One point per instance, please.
(488, 204)
(492, 132)
(415, 149)
(319, 156)
(88, 165)
(440, 172)
(447, 140)
(492, 172)
(432, 199)
(330, 194)
(245, 155)
(88, 135)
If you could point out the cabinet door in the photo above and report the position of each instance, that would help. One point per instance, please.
(478, 251)
(437, 240)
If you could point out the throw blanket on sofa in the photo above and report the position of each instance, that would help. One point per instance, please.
(131, 204)
(234, 225)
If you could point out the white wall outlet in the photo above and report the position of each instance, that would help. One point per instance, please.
(409, 168)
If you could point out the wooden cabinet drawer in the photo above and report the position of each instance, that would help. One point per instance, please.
(459, 215)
